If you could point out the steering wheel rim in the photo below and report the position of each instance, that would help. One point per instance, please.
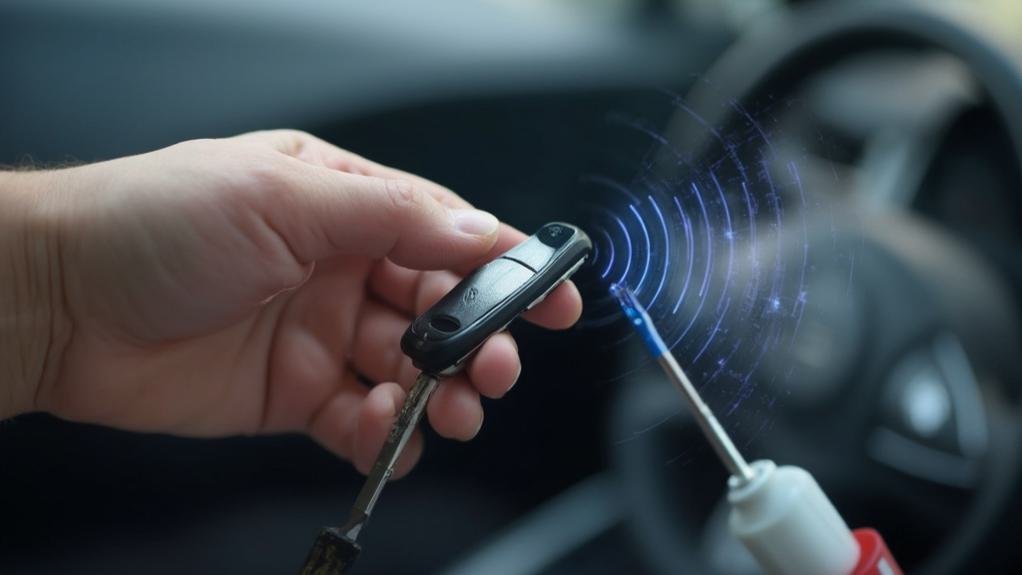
(803, 44)
(809, 40)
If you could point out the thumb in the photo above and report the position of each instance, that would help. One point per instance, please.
(324, 213)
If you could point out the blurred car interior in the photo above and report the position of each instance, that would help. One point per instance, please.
(905, 119)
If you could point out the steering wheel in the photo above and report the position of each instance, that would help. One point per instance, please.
(906, 408)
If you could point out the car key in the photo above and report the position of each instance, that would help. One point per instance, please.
(440, 342)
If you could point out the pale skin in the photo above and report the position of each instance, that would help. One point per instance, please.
(249, 285)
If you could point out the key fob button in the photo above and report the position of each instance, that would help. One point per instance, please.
(555, 235)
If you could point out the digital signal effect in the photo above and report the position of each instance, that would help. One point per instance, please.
(714, 245)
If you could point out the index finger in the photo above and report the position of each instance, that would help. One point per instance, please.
(318, 152)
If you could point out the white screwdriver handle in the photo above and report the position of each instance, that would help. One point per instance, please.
(786, 521)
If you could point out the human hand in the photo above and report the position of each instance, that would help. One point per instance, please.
(244, 285)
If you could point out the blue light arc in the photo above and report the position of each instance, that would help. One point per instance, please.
(700, 244)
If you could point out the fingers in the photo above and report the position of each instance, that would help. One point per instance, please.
(409, 291)
(356, 426)
(560, 310)
(355, 422)
(375, 419)
(377, 353)
(335, 425)
(310, 343)
(403, 237)
(380, 327)
(377, 346)
(455, 411)
(317, 152)
(495, 369)
(323, 213)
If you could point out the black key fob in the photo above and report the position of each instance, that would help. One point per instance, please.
(484, 303)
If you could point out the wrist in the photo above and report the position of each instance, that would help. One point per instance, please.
(35, 328)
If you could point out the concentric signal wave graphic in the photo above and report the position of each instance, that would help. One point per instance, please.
(717, 249)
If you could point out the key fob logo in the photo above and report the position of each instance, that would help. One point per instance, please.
(470, 295)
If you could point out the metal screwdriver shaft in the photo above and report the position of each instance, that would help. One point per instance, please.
(337, 548)
(407, 420)
(715, 434)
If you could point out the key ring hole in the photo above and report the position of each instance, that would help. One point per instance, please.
(445, 323)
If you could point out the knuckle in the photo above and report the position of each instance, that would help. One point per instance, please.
(203, 147)
(295, 134)
(285, 133)
(268, 172)
(286, 140)
(291, 141)
(405, 195)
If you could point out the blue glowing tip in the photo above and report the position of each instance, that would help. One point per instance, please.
(639, 319)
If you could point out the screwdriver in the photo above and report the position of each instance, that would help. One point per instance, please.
(439, 342)
(780, 514)
(715, 434)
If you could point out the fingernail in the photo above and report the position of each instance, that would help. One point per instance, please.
(514, 381)
(395, 407)
(518, 374)
(474, 222)
(480, 426)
